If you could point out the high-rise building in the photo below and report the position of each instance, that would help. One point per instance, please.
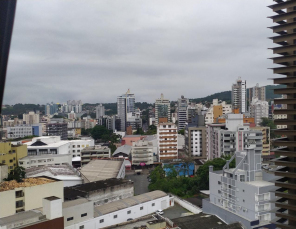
(125, 104)
(182, 112)
(162, 109)
(216, 110)
(167, 137)
(31, 118)
(57, 129)
(234, 135)
(100, 111)
(258, 110)
(285, 38)
(239, 96)
(51, 108)
(257, 92)
(242, 194)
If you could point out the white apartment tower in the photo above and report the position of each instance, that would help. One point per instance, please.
(259, 110)
(257, 92)
(182, 112)
(125, 104)
(31, 118)
(100, 111)
(239, 95)
(162, 109)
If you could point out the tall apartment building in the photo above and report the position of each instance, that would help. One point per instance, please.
(182, 112)
(265, 138)
(31, 118)
(234, 135)
(57, 129)
(242, 194)
(216, 110)
(134, 120)
(239, 95)
(257, 92)
(125, 104)
(196, 137)
(94, 152)
(284, 28)
(100, 111)
(51, 108)
(259, 110)
(167, 137)
(162, 109)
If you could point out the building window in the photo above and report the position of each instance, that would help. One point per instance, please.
(129, 212)
(101, 220)
(115, 216)
(10, 161)
(141, 208)
(70, 218)
(19, 204)
(153, 204)
(242, 178)
(81, 227)
(19, 194)
(84, 214)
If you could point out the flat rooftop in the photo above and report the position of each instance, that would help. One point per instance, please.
(97, 170)
(204, 221)
(73, 203)
(260, 183)
(27, 182)
(55, 170)
(128, 202)
(18, 217)
(82, 190)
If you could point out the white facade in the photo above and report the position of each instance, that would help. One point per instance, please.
(100, 111)
(239, 95)
(210, 116)
(120, 211)
(19, 131)
(71, 115)
(45, 159)
(167, 137)
(31, 118)
(259, 110)
(142, 152)
(76, 146)
(182, 112)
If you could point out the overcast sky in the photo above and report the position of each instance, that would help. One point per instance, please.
(96, 50)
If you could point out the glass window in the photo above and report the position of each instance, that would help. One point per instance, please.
(101, 220)
(84, 214)
(115, 216)
(129, 212)
(70, 218)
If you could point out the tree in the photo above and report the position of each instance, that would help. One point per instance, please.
(181, 132)
(18, 174)
(151, 130)
(100, 132)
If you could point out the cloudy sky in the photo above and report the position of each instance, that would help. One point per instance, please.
(95, 50)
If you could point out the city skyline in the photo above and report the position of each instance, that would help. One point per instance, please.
(139, 47)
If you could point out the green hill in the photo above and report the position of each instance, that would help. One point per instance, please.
(226, 95)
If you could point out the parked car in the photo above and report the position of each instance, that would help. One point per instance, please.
(159, 212)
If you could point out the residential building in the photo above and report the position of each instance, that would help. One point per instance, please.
(265, 138)
(31, 118)
(27, 195)
(234, 135)
(77, 146)
(142, 153)
(134, 120)
(51, 108)
(100, 111)
(101, 192)
(196, 137)
(121, 210)
(239, 95)
(57, 129)
(45, 159)
(10, 154)
(22, 131)
(285, 47)
(102, 169)
(257, 92)
(129, 139)
(125, 105)
(3, 172)
(182, 112)
(94, 152)
(167, 141)
(50, 217)
(259, 110)
(162, 109)
(14, 122)
(217, 110)
(72, 105)
(64, 172)
(242, 194)
(72, 115)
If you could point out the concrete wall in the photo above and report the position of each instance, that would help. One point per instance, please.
(3, 172)
(112, 194)
(121, 173)
(122, 215)
(76, 212)
(187, 205)
(7, 206)
(34, 195)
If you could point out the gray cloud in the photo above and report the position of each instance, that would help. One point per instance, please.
(96, 50)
